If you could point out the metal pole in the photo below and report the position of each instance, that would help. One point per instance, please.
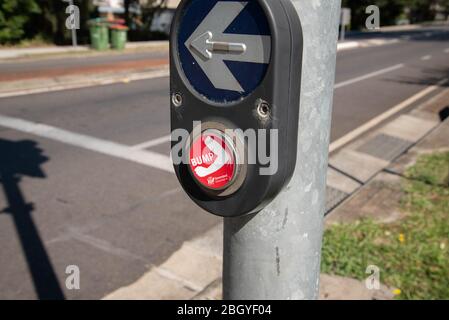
(342, 24)
(74, 37)
(342, 33)
(276, 253)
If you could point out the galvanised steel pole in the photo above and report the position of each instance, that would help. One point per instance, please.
(276, 253)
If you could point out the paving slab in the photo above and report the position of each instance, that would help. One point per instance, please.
(359, 165)
(409, 128)
(341, 182)
(378, 200)
(331, 288)
(435, 109)
(341, 288)
(153, 286)
(437, 141)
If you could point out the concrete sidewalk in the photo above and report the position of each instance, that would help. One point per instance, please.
(16, 53)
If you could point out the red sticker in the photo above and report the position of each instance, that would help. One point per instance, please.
(212, 160)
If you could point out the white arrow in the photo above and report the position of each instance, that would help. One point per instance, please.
(205, 46)
(210, 46)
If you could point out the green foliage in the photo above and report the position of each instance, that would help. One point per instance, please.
(413, 253)
(421, 10)
(14, 17)
(432, 169)
(392, 10)
(28, 21)
(45, 19)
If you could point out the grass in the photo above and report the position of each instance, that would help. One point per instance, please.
(37, 41)
(412, 253)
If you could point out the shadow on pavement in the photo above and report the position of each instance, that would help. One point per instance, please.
(440, 33)
(444, 113)
(19, 159)
(427, 77)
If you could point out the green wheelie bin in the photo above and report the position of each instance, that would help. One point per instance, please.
(118, 36)
(99, 35)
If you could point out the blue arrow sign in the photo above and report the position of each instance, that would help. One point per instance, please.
(224, 47)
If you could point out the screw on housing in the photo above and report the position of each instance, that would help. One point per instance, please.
(263, 109)
(177, 99)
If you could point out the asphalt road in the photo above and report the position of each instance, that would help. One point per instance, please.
(113, 217)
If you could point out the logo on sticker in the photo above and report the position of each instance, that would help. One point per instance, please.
(212, 161)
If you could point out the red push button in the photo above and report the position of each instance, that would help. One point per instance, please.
(212, 160)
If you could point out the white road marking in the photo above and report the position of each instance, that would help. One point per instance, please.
(152, 143)
(382, 117)
(347, 45)
(377, 42)
(368, 76)
(148, 158)
(73, 233)
(426, 58)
